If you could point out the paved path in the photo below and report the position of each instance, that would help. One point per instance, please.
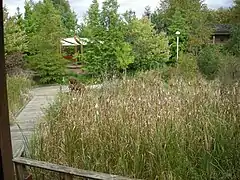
(22, 130)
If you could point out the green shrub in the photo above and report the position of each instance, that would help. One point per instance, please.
(187, 66)
(209, 61)
(234, 42)
(150, 50)
(230, 70)
(50, 68)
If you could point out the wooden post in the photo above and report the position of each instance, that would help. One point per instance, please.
(82, 49)
(68, 177)
(214, 39)
(6, 165)
(60, 48)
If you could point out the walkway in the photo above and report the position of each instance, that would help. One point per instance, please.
(22, 130)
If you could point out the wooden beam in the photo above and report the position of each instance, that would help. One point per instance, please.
(6, 165)
(67, 171)
(82, 49)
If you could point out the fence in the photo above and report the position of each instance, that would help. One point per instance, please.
(67, 173)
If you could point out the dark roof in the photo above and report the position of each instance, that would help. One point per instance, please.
(222, 29)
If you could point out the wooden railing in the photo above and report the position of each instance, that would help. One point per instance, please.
(67, 172)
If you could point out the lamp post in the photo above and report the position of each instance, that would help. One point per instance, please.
(177, 33)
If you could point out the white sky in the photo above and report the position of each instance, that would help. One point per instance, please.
(81, 6)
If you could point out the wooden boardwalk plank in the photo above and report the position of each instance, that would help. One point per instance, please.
(26, 121)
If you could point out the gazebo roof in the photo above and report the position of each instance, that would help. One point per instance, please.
(76, 41)
(222, 29)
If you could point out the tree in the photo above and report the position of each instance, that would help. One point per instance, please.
(236, 12)
(108, 54)
(194, 12)
(150, 49)
(15, 42)
(92, 21)
(28, 18)
(14, 35)
(158, 21)
(147, 12)
(220, 16)
(45, 42)
(68, 17)
(234, 43)
(129, 15)
(178, 23)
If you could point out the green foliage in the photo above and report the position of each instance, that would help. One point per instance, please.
(128, 16)
(14, 35)
(107, 52)
(234, 43)
(150, 49)
(187, 66)
(124, 56)
(92, 21)
(29, 20)
(236, 12)
(209, 61)
(121, 43)
(220, 16)
(178, 23)
(193, 16)
(44, 43)
(230, 71)
(50, 68)
(68, 17)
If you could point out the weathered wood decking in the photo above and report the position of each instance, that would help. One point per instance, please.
(23, 128)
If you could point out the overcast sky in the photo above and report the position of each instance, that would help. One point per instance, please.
(81, 6)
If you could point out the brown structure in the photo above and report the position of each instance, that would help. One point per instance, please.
(221, 34)
(6, 165)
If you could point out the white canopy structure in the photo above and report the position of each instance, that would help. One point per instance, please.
(69, 42)
(74, 41)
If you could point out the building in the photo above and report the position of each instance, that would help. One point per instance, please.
(221, 33)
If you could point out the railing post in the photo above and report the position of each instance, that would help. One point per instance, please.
(21, 172)
(68, 177)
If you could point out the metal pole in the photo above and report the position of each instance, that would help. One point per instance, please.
(6, 164)
(177, 47)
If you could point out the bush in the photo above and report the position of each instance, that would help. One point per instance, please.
(209, 62)
(151, 50)
(230, 71)
(14, 63)
(141, 129)
(187, 66)
(50, 68)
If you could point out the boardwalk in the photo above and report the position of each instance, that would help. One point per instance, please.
(22, 130)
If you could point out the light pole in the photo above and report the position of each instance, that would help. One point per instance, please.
(177, 33)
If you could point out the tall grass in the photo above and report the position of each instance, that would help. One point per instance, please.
(18, 92)
(144, 128)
